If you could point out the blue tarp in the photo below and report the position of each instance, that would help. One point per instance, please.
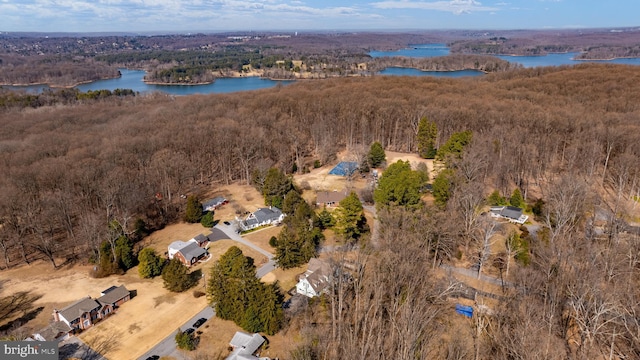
(344, 168)
(464, 310)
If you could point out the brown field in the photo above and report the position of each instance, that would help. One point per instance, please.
(148, 317)
(261, 237)
(242, 198)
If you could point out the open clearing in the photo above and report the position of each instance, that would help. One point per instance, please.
(140, 323)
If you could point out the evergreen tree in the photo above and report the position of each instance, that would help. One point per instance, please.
(149, 264)
(238, 295)
(291, 201)
(175, 276)
(271, 313)
(124, 253)
(516, 199)
(426, 138)
(399, 185)
(376, 155)
(207, 220)
(299, 238)
(193, 212)
(350, 220)
(495, 199)
(326, 219)
(454, 147)
(442, 187)
(106, 265)
(276, 186)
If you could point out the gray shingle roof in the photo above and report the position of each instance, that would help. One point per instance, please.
(216, 201)
(267, 214)
(200, 239)
(245, 345)
(192, 251)
(78, 308)
(114, 295)
(512, 212)
(54, 330)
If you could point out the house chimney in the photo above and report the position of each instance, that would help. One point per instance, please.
(56, 314)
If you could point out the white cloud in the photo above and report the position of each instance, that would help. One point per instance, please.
(454, 6)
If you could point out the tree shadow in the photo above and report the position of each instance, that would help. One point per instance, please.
(66, 351)
(195, 277)
(18, 306)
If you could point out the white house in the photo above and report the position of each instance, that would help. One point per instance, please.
(315, 280)
(263, 216)
(188, 252)
(245, 345)
(511, 213)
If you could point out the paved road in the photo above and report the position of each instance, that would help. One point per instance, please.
(167, 347)
(76, 348)
(230, 230)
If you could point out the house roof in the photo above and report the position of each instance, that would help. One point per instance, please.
(191, 251)
(107, 290)
(511, 212)
(269, 214)
(317, 274)
(325, 197)
(216, 201)
(245, 345)
(78, 308)
(114, 295)
(200, 239)
(178, 244)
(53, 331)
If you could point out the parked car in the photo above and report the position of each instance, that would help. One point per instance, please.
(190, 331)
(226, 223)
(153, 357)
(199, 323)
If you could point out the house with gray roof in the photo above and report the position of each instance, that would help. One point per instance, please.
(187, 252)
(511, 213)
(261, 217)
(201, 240)
(245, 345)
(315, 280)
(114, 296)
(212, 204)
(81, 314)
(55, 331)
(85, 312)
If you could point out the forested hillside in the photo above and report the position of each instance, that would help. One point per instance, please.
(567, 135)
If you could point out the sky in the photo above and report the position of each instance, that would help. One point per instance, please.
(301, 15)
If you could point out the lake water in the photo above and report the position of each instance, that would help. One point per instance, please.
(418, 51)
(433, 50)
(132, 79)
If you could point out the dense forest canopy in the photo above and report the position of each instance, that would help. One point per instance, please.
(92, 157)
(567, 135)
